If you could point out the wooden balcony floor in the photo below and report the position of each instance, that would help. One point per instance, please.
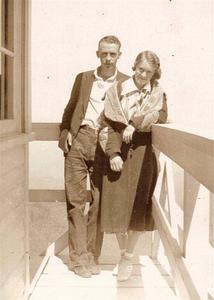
(149, 281)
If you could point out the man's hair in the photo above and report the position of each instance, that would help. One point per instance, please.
(110, 39)
(151, 58)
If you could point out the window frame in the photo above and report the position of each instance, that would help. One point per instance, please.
(14, 125)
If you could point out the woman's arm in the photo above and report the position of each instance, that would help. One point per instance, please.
(163, 113)
(144, 122)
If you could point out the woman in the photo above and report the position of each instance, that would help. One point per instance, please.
(131, 107)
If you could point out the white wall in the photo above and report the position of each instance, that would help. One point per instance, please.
(65, 34)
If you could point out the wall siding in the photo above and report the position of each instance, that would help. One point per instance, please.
(13, 174)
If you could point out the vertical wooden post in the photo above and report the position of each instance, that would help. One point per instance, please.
(211, 223)
(196, 246)
(2, 64)
(26, 123)
(160, 195)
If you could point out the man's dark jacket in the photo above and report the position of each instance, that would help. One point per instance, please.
(75, 110)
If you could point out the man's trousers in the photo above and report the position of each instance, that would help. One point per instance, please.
(84, 157)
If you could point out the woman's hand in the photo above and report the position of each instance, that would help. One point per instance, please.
(128, 133)
(116, 163)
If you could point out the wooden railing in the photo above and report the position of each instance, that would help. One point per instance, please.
(183, 206)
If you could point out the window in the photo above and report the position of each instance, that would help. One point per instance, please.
(7, 59)
(12, 66)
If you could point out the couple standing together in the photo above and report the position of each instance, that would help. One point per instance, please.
(106, 133)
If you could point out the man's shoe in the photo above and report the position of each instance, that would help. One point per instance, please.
(125, 268)
(93, 267)
(82, 271)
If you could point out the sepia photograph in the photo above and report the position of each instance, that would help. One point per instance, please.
(106, 150)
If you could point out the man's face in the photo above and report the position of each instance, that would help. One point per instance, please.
(108, 54)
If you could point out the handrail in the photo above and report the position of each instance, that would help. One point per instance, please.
(45, 131)
(193, 152)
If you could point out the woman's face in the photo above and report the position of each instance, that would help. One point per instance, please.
(144, 72)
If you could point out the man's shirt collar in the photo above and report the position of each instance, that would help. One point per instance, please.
(110, 79)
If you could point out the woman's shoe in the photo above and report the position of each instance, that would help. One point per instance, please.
(125, 268)
(115, 270)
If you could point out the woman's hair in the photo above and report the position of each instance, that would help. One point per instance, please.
(151, 58)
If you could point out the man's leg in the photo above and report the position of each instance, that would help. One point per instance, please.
(99, 239)
(95, 236)
(75, 185)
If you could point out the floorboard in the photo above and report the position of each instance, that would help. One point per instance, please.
(149, 281)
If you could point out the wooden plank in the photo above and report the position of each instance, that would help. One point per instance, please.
(160, 193)
(59, 245)
(122, 293)
(48, 223)
(46, 131)
(184, 283)
(11, 159)
(7, 127)
(165, 226)
(26, 124)
(174, 211)
(50, 251)
(47, 195)
(211, 223)
(17, 65)
(191, 190)
(13, 140)
(195, 155)
(11, 200)
(16, 215)
(147, 281)
(2, 83)
(37, 275)
(201, 142)
(14, 287)
(12, 179)
(50, 195)
(26, 66)
(12, 232)
(198, 251)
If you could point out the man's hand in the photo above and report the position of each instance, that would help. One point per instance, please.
(116, 163)
(128, 133)
(65, 140)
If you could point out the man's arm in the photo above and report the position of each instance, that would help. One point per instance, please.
(115, 140)
(65, 138)
(70, 107)
(113, 149)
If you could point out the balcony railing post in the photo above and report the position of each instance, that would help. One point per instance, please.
(211, 223)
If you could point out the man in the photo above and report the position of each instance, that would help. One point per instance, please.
(78, 140)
